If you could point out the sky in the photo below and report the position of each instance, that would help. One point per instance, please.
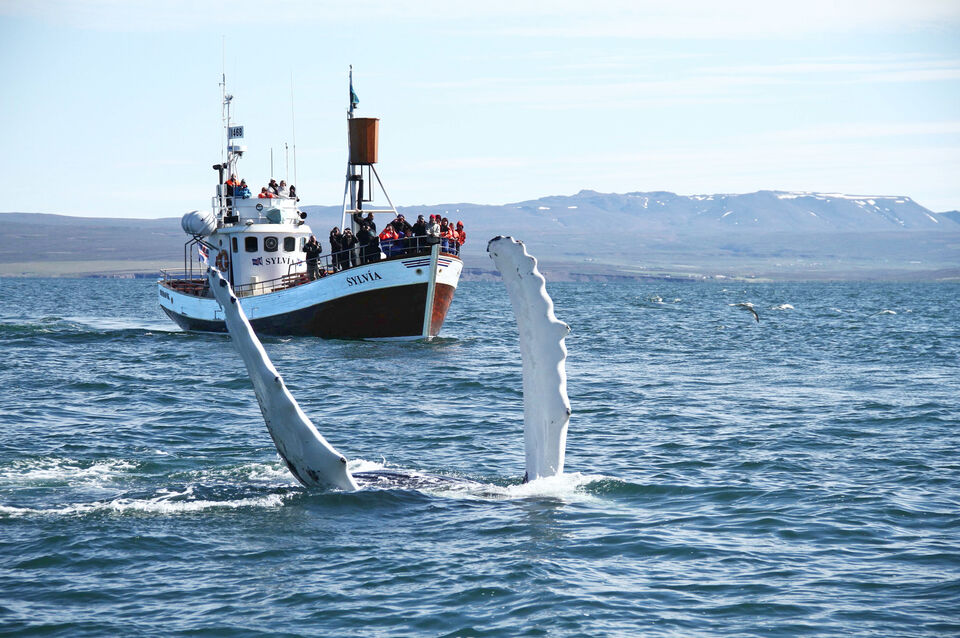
(112, 108)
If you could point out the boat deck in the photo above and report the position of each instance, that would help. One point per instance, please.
(193, 283)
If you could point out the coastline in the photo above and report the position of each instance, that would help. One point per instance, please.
(558, 271)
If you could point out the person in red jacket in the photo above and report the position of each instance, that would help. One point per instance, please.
(388, 240)
(461, 234)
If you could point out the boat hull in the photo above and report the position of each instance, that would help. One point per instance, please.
(384, 300)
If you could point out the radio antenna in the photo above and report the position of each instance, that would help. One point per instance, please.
(293, 127)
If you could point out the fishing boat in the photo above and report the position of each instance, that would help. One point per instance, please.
(401, 292)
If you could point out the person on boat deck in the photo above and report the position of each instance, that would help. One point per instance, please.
(293, 193)
(244, 191)
(389, 241)
(461, 234)
(336, 248)
(348, 242)
(401, 225)
(312, 250)
(445, 233)
(369, 245)
(282, 190)
(411, 242)
(361, 220)
(265, 194)
(420, 228)
(273, 187)
(433, 228)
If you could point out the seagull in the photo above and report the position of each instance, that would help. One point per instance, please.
(748, 306)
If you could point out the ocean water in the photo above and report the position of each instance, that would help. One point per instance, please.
(724, 477)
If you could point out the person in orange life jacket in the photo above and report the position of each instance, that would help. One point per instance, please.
(388, 241)
(312, 250)
(461, 234)
(444, 233)
(265, 194)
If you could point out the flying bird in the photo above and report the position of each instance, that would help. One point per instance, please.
(748, 306)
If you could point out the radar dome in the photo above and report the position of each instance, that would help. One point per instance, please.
(198, 224)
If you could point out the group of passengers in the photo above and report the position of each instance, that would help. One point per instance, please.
(399, 235)
(348, 250)
(238, 188)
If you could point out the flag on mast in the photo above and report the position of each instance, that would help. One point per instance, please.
(354, 100)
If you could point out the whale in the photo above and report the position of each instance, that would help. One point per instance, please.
(314, 462)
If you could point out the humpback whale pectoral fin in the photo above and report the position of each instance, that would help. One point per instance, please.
(311, 459)
(544, 358)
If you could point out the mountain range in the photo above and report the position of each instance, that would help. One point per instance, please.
(589, 235)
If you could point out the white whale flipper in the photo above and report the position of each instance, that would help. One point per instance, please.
(546, 407)
(310, 458)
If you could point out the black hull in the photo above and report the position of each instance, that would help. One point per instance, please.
(388, 313)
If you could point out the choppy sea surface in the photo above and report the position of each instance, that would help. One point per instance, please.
(796, 476)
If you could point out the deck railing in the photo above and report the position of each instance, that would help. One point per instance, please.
(187, 282)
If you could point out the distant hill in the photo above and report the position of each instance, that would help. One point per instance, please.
(953, 215)
(775, 234)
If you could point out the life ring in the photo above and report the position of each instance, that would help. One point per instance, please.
(223, 260)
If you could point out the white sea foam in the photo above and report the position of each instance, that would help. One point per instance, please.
(362, 465)
(165, 502)
(260, 473)
(783, 306)
(887, 312)
(566, 487)
(59, 470)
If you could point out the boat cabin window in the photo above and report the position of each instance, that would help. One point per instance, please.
(270, 244)
(289, 244)
(303, 242)
(235, 248)
(250, 244)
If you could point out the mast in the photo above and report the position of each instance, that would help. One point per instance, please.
(353, 171)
